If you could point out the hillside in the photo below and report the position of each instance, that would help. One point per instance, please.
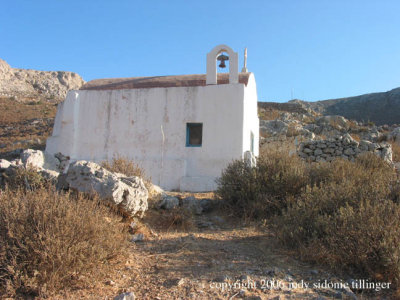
(380, 108)
(28, 85)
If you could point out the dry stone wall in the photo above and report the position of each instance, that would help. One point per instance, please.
(342, 147)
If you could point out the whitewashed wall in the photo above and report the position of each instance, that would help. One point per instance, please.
(96, 125)
(251, 122)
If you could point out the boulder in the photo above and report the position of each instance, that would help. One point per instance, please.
(334, 121)
(387, 153)
(197, 206)
(126, 193)
(50, 175)
(168, 202)
(40, 160)
(32, 158)
(4, 164)
(192, 204)
(125, 296)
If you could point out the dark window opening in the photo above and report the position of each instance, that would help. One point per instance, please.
(194, 134)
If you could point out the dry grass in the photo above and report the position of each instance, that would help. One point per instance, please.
(124, 166)
(49, 240)
(15, 112)
(176, 219)
(24, 125)
(127, 167)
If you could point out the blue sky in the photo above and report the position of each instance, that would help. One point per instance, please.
(313, 50)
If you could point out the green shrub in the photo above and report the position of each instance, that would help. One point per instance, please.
(47, 240)
(239, 187)
(263, 190)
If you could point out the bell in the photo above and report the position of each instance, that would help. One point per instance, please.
(222, 58)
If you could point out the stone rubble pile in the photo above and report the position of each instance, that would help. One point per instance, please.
(342, 147)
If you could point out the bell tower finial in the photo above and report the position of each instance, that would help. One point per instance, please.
(244, 69)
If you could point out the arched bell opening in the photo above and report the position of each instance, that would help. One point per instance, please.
(222, 58)
(222, 63)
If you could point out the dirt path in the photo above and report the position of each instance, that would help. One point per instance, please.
(202, 263)
(211, 257)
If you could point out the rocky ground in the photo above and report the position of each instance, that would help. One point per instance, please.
(322, 138)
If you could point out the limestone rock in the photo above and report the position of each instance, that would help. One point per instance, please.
(125, 296)
(386, 153)
(274, 127)
(395, 135)
(25, 84)
(127, 193)
(197, 206)
(4, 164)
(50, 175)
(192, 204)
(42, 160)
(168, 202)
(32, 158)
(333, 121)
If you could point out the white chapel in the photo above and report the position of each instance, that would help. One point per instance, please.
(182, 130)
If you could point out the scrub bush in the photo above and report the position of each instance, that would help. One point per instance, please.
(343, 214)
(263, 190)
(47, 240)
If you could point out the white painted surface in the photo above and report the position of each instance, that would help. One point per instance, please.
(96, 125)
(251, 123)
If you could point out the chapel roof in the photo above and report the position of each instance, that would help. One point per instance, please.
(158, 82)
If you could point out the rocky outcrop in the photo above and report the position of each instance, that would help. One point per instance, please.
(342, 147)
(127, 193)
(395, 135)
(23, 84)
